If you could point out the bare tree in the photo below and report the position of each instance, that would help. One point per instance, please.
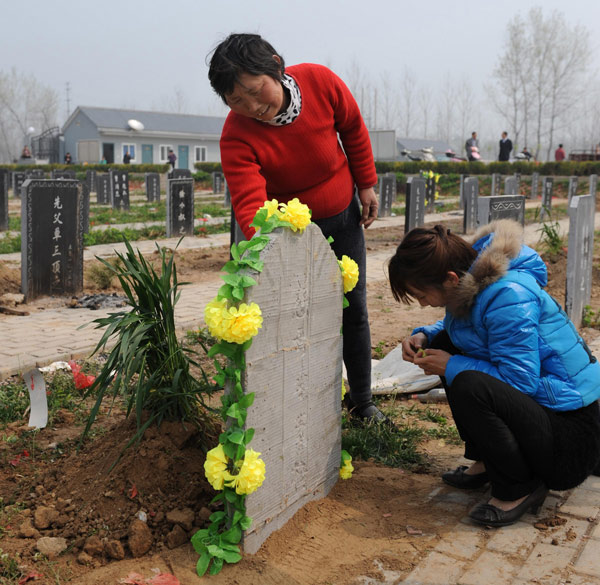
(425, 101)
(24, 104)
(407, 98)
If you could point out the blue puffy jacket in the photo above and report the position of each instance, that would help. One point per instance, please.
(507, 326)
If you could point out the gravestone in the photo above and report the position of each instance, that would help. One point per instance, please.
(573, 181)
(429, 194)
(296, 374)
(414, 214)
(51, 238)
(103, 189)
(3, 199)
(535, 183)
(517, 177)
(387, 194)
(63, 174)
(510, 186)
(18, 178)
(85, 195)
(546, 209)
(91, 180)
(119, 189)
(35, 174)
(180, 207)
(179, 174)
(461, 193)
(471, 191)
(217, 181)
(227, 198)
(580, 256)
(500, 207)
(593, 185)
(152, 181)
(496, 178)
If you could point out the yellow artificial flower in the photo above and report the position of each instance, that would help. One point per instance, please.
(343, 389)
(215, 467)
(437, 177)
(296, 213)
(349, 270)
(346, 469)
(272, 208)
(214, 317)
(241, 323)
(251, 475)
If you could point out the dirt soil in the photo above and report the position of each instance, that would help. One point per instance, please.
(377, 525)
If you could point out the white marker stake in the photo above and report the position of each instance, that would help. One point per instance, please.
(38, 414)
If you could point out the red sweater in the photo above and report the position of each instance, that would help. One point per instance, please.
(303, 159)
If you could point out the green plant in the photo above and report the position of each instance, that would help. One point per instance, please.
(148, 364)
(378, 350)
(551, 237)
(9, 569)
(590, 317)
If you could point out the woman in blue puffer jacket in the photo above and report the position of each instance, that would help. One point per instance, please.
(521, 383)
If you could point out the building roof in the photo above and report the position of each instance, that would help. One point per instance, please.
(116, 119)
(418, 143)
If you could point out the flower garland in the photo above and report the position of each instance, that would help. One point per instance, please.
(231, 468)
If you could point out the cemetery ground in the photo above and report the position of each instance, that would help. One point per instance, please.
(373, 528)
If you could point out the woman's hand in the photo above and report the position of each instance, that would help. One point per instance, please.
(370, 205)
(432, 361)
(411, 345)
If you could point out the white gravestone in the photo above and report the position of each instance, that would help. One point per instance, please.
(295, 368)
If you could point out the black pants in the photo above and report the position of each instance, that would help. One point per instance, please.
(349, 239)
(509, 431)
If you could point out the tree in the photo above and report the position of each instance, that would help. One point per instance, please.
(539, 77)
(24, 103)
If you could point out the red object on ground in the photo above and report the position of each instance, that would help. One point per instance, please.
(82, 381)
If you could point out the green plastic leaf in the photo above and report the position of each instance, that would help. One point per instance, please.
(231, 496)
(198, 541)
(232, 267)
(238, 293)
(247, 281)
(234, 252)
(232, 557)
(330, 240)
(233, 535)
(216, 567)
(260, 218)
(203, 563)
(232, 279)
(249, 435)
(247, 400)
(245, 523)
(345, 303)
(237, 437)
(225, 292)
(217, 516)
(234, 410)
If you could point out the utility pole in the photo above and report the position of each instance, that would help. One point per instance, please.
(68, 91)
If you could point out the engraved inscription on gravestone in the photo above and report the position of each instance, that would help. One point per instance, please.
(414, 215)
(51, 238)
(119, 189)
(501, 207)
(217, 181)
(152, 181)
(63, 174)
(103, 189)
(18, 178)
(180, 207)
(471, 195)
(387, 194)
(547, 185)
(496, 178)
(535, 180)
(573, 181)
(3, 199)
(90, 178)
(179, 174)
(510, 186)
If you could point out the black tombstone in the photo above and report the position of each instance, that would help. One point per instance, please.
(217, 181)
(414, 214)
(103, 189)
(179, 174)
(3, 199)
(471, 197)
(511, 186)
(18, 178)
(85, 195)
(387, 194)
(35, 174)
(535, 182)
(91, 180)
(547, 185)
(430, 193)
(119, 189)
(51, 238)
(496, 178)
(152, 181)
(180, 207)
(227, 198)
(63, 174)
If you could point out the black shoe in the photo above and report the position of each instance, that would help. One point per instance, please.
(464, 481)
(489, 515)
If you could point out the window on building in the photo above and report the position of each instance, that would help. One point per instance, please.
(200, 154)
(164, 152)
(129, 148)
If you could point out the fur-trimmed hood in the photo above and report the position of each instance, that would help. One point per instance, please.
(500, 247)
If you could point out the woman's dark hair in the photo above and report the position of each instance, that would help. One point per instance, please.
(238, 54)
(424, 258)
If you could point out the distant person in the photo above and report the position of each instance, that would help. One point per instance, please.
(26, 153)
(472, 147)
(505, 147)
(68, 159)
(172, 158)
(126, 158)
(103, 161)
(560, 154)
(526, 154)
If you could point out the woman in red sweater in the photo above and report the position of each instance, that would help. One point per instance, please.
(280, 141)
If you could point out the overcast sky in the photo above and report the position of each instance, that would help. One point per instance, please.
(140, 53)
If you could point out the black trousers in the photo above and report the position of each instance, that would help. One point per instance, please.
(509, 431)
(349, 239)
